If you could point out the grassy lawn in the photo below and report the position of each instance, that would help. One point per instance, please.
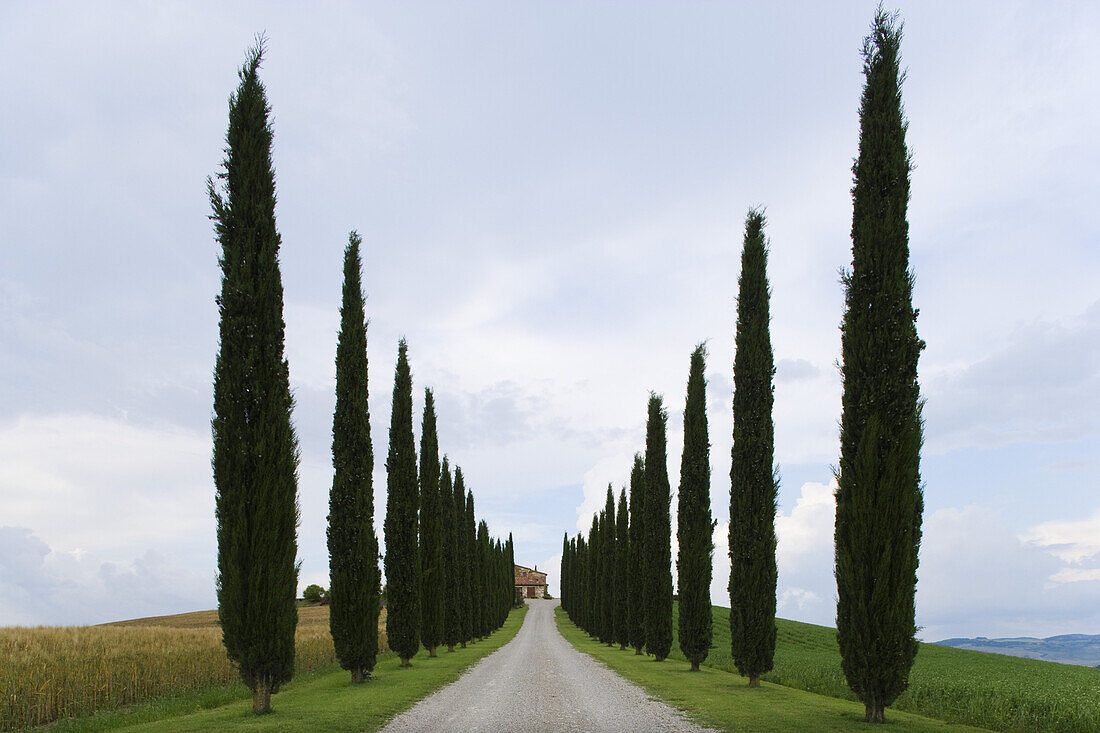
(988, 690)
(323, 699)
(720, 700)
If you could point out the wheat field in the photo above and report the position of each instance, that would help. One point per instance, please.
(51, 673)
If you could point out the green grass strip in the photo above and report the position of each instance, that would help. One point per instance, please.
(724, 701)
(324, 699)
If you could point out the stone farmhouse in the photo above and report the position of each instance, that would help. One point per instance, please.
(530, 582)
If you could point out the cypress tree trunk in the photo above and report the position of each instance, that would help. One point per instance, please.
(753, 479)
(637, 555)
(402, 555)
(352, 545)
(452, 621)
(431, 540)
(879, 499)
(658, 533)
(694, 528)
(255, 458)
(462, 553)
(622, 573)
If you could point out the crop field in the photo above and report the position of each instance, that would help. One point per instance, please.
(51, 673)
(987, 690)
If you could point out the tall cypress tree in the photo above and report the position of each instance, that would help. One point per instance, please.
(431, 532)
(473, 611)
(563, 584)
(638, 586)
(452, 621)
(595, 581)
(582, 582)
(607, 570)
(879, 500)
(255, 458)
(485, 568)
(622, 573)
(510, 566)
(402, 555)
(694, 528)
(462, 553)
(754, 482)
(352, 545)
(658, 532)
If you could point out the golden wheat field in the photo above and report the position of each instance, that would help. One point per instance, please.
(49, 673)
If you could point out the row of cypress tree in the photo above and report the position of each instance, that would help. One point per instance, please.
(879, 499)
(616, 583)
(448, 581)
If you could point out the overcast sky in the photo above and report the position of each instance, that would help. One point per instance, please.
(551, 198)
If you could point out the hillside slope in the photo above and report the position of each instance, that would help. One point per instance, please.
(957, 685)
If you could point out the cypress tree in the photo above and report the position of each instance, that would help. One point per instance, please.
(694, 528)
(462, 553)
(658, 529)
(622, 573)
(565, 568)
(580, 580)
(485, 567)
(754, 483)
(255, 457)
(352, 546)
(638, 570)
(402, 555)
(595, 582)
(510, 565)
(431, 532)
(473, 611)
(608, 633)
(452, 622)
(879, 498)
(501, 579)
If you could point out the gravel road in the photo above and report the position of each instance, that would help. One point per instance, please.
(539, 682)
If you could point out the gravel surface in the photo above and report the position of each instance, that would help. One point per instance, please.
(539, 682)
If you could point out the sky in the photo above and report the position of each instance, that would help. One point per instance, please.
(552, 199)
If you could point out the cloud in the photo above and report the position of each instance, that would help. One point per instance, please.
(979, 578)
(1044, 386)
(39, 585)
(95, 483)
(1073, 541)
(795, 370)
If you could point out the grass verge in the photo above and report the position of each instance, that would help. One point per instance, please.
(324, 699)
(721, 700)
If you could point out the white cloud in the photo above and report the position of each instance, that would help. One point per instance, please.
(98, 483)
(808, 529)
(1074, 541)
(798, 598)
(1043, 386)
(39, 585)
(978, 578)
(1075, 575)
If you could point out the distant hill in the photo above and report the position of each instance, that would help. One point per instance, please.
(1082, 649)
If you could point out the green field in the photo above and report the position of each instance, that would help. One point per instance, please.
(720, 700)
(323, 699)
(987, 690)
